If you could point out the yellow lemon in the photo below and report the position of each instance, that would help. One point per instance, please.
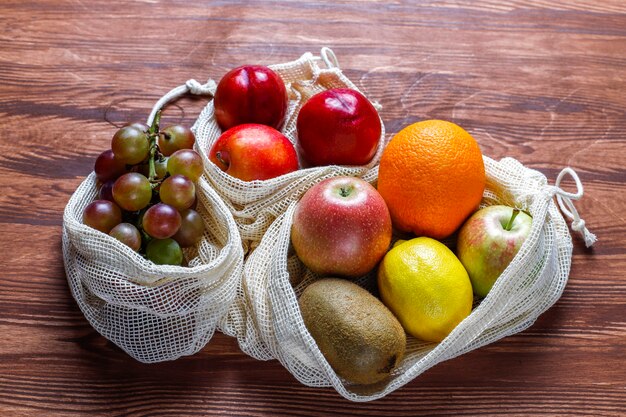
(427, 288)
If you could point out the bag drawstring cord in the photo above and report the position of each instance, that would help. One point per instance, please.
(191, 86)
(329, 57)
(564, 200)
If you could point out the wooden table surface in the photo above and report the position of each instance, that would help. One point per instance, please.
(544, 83)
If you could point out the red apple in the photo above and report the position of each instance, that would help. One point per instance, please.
(341, 226)
(488, 241)
(254, 152)
(250, 94)
(338, 127)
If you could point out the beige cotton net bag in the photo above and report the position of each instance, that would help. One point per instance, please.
(153, 312)
(255, 204)
(274, 278)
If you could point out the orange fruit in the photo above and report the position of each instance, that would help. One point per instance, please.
(432, 178)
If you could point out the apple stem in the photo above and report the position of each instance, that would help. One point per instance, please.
(218, 155)
(509, 225)
(345, 191)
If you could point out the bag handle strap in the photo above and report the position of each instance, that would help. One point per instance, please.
(329, 57)
(191, 86)
(564, 200)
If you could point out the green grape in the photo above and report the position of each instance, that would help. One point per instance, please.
(178, 191)
(185, 162)
(128, 235)
(164, 252)
(174, 138)
(161, 221)
(132, 191)
(130, 145)
(191, 229)
(102, 215)
(160, 168)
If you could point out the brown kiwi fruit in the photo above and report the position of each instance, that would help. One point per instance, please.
(359, 337)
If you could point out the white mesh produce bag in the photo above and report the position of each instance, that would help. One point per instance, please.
(153, 312)
(255, 204)
(274, 278)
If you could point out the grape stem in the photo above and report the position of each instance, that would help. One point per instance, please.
(153, 134)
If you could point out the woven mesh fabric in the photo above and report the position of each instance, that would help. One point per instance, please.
(154, 313)
(255, 204)
(273, 279)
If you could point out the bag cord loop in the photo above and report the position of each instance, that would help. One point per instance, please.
(191, 86)
(329, 57)
(564, 200)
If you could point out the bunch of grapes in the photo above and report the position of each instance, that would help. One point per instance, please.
(147, 194)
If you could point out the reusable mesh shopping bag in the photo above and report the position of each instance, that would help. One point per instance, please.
(274, 278)
(153, 312)
(256, 204)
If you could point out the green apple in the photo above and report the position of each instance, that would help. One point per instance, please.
(488, 241)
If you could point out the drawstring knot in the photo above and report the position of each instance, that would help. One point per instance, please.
(564, 200)
(196, 88)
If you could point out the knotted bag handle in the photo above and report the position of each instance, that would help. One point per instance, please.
(564, 200)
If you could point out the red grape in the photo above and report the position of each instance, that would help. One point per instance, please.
(186, 162)
(132, 191)
(138, 125)
(164, 252)
(102, 215)
(106, 191)
(174, 138)
(178, 191)
(191, 229)
(130, 145)
(128, 235)
(161, 221)
(107, 167)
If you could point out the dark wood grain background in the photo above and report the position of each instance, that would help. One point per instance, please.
(540, 81)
